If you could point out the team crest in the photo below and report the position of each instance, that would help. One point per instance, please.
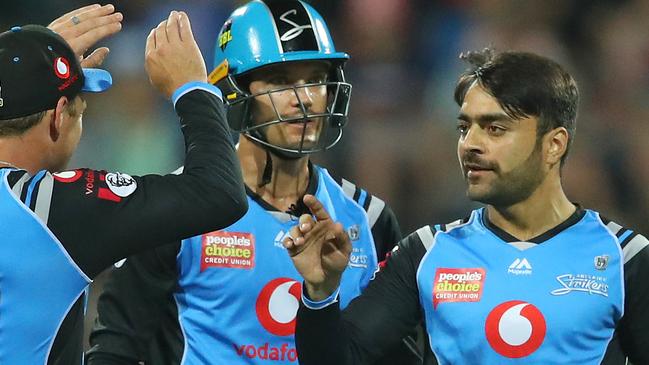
(354, 232)
(601, 262)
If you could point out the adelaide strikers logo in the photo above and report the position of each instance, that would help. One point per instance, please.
(277, 306)
(62, 67)
(515, 329)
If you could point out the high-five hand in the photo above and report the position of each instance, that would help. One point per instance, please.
(172, 57)
(82, 28)
(319, 249)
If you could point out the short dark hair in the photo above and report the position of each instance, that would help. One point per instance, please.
(18, 126)
(524, 84)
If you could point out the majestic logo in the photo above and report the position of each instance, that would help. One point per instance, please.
(122, 185)
(280, 237)
(297, 29)
(601, 262)
(515, 329)
(458, 285)
(520, 267)
(62, 67)
(228, 250)
(277, 306)
(68, 176)
(590, 284)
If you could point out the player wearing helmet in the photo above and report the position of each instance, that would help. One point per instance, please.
(231, 296)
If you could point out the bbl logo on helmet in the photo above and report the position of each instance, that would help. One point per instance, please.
(226, 34)
(601, 262)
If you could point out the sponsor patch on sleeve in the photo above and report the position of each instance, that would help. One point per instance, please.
(68, 176)
(228, 249)
(458, 285)
(120, 184)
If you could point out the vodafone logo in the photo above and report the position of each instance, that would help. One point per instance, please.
(68, 176)
(62, 68)
(515, 329)
(277, 306)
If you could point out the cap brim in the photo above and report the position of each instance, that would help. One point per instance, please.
(96, 80)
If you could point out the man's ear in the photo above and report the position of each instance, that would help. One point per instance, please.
(56, 118)
(558, 139)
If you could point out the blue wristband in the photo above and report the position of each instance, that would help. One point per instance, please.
(333, 298)
(195, 85)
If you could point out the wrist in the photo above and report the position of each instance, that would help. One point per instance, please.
(319, 303)
(318, 293)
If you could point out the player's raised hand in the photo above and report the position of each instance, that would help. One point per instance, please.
(319, 249)
(82, 28)
(172, 57)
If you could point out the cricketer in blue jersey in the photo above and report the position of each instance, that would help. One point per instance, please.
(231, 296)
(59, 230)
(529, 279)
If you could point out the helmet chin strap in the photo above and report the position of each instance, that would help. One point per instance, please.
(268, 169)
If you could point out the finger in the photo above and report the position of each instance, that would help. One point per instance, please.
(99, 12)
(161, 34)
(305, 223)
(173, 32)
(88, 25)
(81, 43)
(185, 27)
(66, 17)
(316, 208)
(150, 42)
(96, 58)
(340, 238)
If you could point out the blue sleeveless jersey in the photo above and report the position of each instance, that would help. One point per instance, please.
(487, 301)
(39, 282)
(239, 291)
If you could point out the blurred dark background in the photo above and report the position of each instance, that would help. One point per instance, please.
(401, 139)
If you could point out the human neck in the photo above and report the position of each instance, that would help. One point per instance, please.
(22, 152)
(289, 181)
(545, 209)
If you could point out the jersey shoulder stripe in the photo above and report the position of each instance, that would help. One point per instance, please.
(373, 205)
(630, 242)
(34, 191)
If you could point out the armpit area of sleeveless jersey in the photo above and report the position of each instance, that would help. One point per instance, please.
(38, 281)
(239, 291)
(489, 301)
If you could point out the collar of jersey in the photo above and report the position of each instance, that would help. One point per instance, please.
(505, 236)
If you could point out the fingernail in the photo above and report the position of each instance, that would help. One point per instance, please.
(304, 226)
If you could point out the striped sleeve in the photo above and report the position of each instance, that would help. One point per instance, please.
(35, 191)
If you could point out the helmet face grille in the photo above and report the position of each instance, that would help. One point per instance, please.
(328, 124)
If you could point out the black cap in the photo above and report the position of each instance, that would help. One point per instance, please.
(37, 68)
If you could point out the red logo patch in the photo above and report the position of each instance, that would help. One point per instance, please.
(458, 285)
(228, 249)
(68, 176)
(62, 67)
(277, 306)
(515, 329)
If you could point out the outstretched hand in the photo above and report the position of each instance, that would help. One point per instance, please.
(82, 28)
(320, 250)
(172, 57)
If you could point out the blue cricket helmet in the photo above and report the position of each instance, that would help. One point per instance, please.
(268, 32)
